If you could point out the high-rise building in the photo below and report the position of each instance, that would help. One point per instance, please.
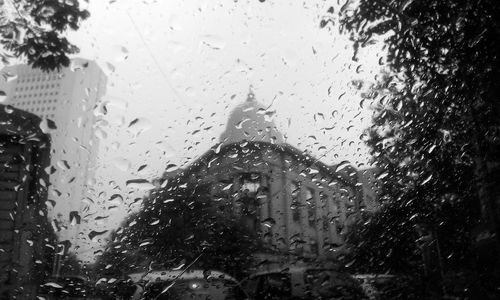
(66, 98)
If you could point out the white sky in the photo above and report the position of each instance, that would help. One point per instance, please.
(176, 64)
(172, 61)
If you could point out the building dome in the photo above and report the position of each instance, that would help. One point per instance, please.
(250, 121)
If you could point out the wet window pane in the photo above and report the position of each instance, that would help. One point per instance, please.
(307, 149)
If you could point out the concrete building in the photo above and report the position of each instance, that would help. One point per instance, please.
(297, 204)
(66, 99)
(26, 237)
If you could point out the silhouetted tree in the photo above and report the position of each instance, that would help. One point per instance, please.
(71, 265)
(176, 225)
(435, 126)
(34, 29)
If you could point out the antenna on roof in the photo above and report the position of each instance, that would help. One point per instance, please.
(251, 95)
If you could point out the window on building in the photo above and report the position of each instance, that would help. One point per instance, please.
(339, 226)
(334, 206)
(311, 206)
(253, 191)
(314, 247)
(220, 190)
(296, 201)
(326, 224)
(250, 183)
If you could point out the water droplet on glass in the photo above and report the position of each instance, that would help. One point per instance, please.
(47, 11)
(139, 125)
(8, 109)
(426, 179)
(47, 126)
(63, 164)
(142, 244)
(78, 65)
(121, 164)
(93, 234)
(342, 166)
(110, 67)
(100, 133)
(213, 42)
(171, 168)
(121, 53)
(3, 96)
(116, 199)
(140, 184)
(269, 222)
(53, 284)
(9, 76)
(382, 175)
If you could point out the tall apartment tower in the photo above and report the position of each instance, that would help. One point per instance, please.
(66, 98)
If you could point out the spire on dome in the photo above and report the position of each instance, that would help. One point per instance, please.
(251, 95)
(248, 121)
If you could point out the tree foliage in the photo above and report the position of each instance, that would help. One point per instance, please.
(71, 265)
(392, 241)
(175, 226)
(435, 124)
(35, 29)
(374, 249)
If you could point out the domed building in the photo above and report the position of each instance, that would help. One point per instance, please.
(297, 204)
(251, 121)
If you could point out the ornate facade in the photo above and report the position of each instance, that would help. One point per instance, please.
(296, 203)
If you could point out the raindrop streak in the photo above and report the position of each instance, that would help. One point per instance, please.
(121, 164)
(140, 184)
(47, 11)
(115, 199)
(171, 168)
(9, 76)
(426, 179)
(53, 284)
(342, 166)
(94, 234)
(269, 222)
(9, 109)
(121, 55)
(139, 125)
(78, 65)
(3, 96)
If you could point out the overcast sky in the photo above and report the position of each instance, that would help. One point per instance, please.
(179, 66)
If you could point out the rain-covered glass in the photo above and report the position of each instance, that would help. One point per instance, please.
(215, 149)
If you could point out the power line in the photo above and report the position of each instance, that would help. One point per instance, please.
(155, 60)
